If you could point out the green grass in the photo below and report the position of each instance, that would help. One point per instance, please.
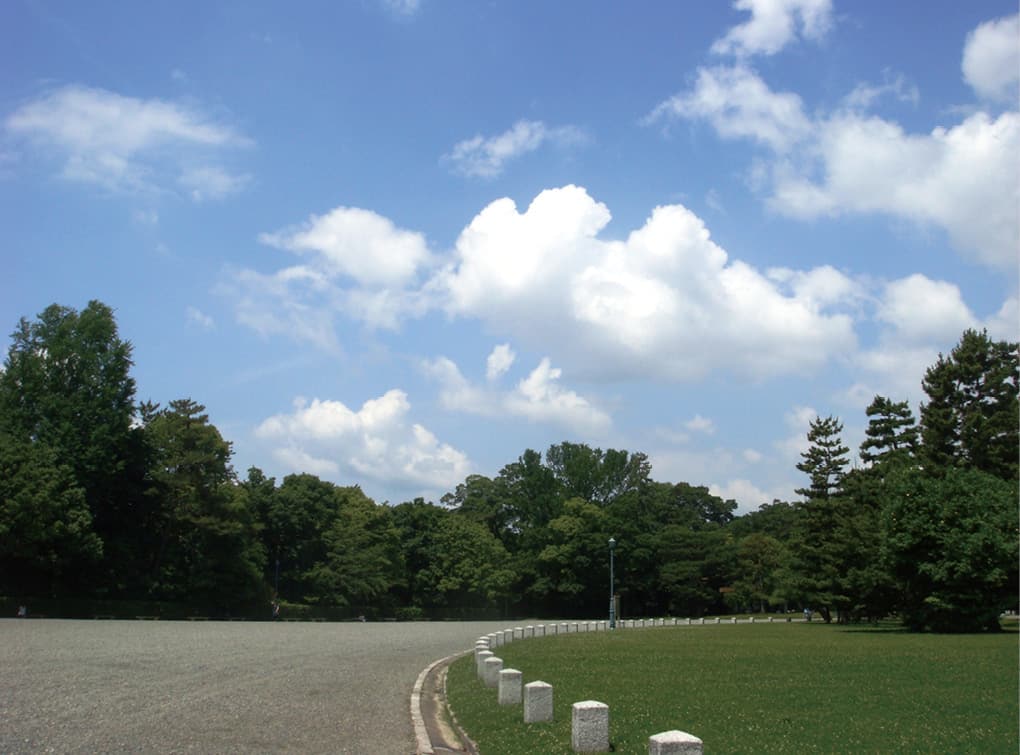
(760, 688)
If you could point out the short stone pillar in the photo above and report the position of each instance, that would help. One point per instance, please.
(542, 627)
(688, 621)
(529, 631)
(589, 726)
(480, 659)
(491, 673)
(495, 639)
(733, 620)
(565, 628)
(750, 620)
(576, 628)
(510, 687)
(717, 619)
(508, 636)
(771, 619)
(671, 742)
(702, 620)
(518, 629)
(538, 702)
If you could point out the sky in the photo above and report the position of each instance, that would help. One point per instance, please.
(394, 243)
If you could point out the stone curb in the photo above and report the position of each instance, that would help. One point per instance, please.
(427, 714)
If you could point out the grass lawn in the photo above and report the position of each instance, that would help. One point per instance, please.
(760, 688)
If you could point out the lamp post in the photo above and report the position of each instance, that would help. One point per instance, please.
(612, 592)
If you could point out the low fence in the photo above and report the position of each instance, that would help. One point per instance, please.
(589, 718)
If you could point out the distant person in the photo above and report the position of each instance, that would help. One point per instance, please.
(807, 614)
(276, 610)
(22, 612)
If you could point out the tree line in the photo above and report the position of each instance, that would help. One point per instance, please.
(103, 496)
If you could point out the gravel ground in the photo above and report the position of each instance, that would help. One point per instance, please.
(162, 686)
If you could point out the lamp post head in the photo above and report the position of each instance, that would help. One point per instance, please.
(612, 543)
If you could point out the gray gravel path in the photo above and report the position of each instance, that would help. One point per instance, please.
(161, 686)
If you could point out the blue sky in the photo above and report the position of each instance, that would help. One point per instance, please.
(397, 243)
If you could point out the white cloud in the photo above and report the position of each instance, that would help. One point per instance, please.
(120, 142)
(991, 59)
(700, 424)
(665, 302)
(775, 24)
(375, 443)
(923, 310)
(739, 105)
(539, 397)
(751, 456)
(485, 157)
(211, 182)
(297, 302)
(962, 179)
(748, 496)
(896, 86)
(402, 7)
(499, 361)
(357, 243)
(197, 317)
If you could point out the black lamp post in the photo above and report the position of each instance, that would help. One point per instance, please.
(612, 591)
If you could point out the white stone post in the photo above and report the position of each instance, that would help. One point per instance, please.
(673, 743)
(483, 656)
(750, 620)
(565, 628)
(509, 687)
(733, 620)
(492, 668)
(538, 702)
(508, 636)
(530, 630)
(576, 629)
(589, 726)
(518, 629)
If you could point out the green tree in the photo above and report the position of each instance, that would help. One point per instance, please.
(66, 385)
(760, 559)
(891, 433)
(972, 417)
(363, 561)
(46, 535)
(206, 549)
(951, 544)
(573, 567)
(825, 460)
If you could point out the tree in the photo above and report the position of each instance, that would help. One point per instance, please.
(891, 433)
(972, 417)
(46, 537)
(951, 544)
(205, 544)
(825, 460)
(66, 385)
(760, 558)
(363, 560)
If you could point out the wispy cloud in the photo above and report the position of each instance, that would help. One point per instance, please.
(485, 157)
(126, 143)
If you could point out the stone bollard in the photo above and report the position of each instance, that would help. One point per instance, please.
(518, 629)
(565, 628)
(529, 631)
(702, 620)
(491, 674)
(494, 639)
(509, 687)
(750, 620)
(538, 702)
(688, 621)
(670, 742)
(508, 636)
(542, 627)
(589, 726)
(717, 619)
(771, 619)
(576, 628)
(555, 628)
(479, 647)
(483, 656)
(733, 620)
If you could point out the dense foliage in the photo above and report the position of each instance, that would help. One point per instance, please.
(102, 496)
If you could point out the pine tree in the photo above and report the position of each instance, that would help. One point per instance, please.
(825, 460)
(891, 433)
(972, 418)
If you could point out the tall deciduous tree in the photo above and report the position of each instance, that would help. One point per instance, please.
(951, 546)
(46, 535)
(66, 385)
(972, 417)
